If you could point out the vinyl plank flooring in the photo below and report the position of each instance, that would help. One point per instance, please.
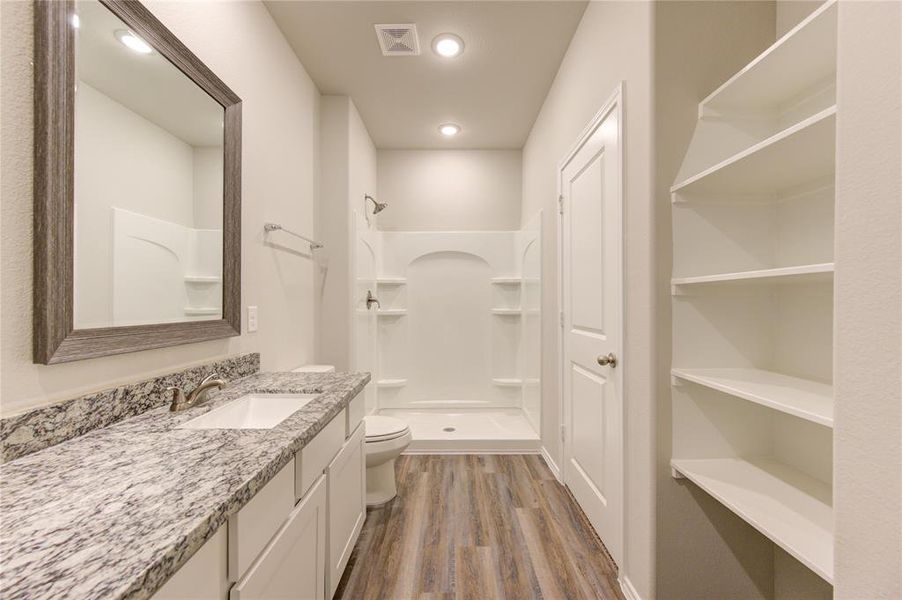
(482, 527)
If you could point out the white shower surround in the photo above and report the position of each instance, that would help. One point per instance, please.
(458, 331)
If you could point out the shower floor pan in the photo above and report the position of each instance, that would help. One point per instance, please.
(466, 430)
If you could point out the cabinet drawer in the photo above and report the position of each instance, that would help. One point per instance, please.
(346, 479)
(356, 411)
(251, 528)
(312, 459)
(293, 565)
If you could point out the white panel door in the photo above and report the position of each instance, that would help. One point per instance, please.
(591, 294)
(293, 565)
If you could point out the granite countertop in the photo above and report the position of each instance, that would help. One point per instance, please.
(115, 512)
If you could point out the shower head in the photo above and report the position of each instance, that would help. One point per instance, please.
(378, 207)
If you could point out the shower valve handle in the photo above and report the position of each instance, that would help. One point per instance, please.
(371, 299)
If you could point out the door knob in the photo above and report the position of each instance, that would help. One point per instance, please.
(607, 361)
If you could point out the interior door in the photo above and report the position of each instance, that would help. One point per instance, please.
(591, 294)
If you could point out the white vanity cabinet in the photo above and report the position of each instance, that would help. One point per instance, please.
(346, 478)
(293, 565)
(293, 539)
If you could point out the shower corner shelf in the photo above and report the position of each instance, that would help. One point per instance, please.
(506, 280)
(391, 312)
(390, 383)
(207, 279)
(507, 382)
(391, 280)
(507, 312)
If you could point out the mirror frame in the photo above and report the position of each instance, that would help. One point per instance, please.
(55, 339)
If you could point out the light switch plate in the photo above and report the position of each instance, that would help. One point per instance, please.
(251, 319)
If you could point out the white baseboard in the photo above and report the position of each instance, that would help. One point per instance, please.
(552, 466)
(464, 451)
(629, 592)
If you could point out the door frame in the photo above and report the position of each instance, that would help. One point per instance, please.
(614, 102)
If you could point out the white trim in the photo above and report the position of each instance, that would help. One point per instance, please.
(469, 452)
(552, 466)
(615, 100)
(626, 586)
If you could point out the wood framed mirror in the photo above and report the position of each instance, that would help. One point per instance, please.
(137, 186)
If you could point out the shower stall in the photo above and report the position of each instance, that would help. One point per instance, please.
(450, 323)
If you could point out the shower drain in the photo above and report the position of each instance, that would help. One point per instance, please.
(449, 429)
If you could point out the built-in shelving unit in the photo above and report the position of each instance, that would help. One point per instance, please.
(800, 274)
(802, 398)
(799, 62)
(753, 298)
(788, 506)
(798, 154)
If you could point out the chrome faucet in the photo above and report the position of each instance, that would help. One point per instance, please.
(197, 396)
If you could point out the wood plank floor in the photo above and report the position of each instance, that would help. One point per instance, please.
(482, 527)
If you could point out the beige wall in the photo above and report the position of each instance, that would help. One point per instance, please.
(868, 373)
(703, 550)
(242, 45)
(450, 190)
(348, 166)
(612, 44)
(791, 12)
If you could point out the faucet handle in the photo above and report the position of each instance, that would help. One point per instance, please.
(178, 397)
(210, 377)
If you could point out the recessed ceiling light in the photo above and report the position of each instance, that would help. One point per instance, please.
(449, 129)
(133, 42)
(447, 45)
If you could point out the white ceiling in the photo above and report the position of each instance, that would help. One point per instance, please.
(494, 90)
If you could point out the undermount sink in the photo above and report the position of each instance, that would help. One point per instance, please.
(253, 411)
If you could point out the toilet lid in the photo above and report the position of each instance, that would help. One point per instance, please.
(380, 428)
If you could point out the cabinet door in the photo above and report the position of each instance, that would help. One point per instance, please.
(293, 565)
(346, 478)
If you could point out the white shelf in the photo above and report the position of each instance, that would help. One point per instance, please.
(791, 508)
(507, 382)
(211, 310)
(202, 278)
(802, 153)
(509, 312)
(801, 398)
(391, 280)
(799, 61)
(506, 280)
(391, 382)
(798, 274)
(391, 312)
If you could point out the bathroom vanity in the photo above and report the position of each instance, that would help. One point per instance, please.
(149, 507)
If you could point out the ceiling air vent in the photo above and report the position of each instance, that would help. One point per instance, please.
(398, 40)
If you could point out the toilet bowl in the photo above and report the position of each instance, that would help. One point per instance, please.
(386, 439)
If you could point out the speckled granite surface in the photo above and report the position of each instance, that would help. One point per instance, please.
(115, 512)
(43, 427)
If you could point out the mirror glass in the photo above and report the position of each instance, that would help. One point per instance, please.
(148, 182)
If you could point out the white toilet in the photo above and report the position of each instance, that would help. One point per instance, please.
(386, 439)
